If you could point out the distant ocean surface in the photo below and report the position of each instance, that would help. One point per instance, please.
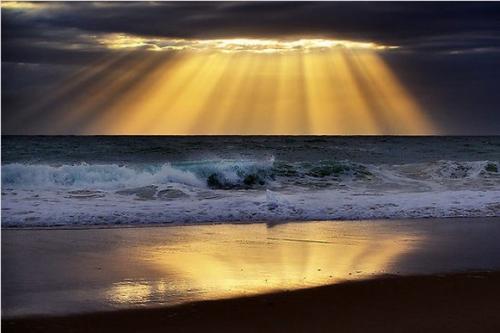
(130, 180)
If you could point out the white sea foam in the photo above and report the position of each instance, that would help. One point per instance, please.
(106, 176)
(24, 208)
(228, 190)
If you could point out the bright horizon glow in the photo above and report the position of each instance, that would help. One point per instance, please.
(230, 45)
(23, 5)
(17, 5)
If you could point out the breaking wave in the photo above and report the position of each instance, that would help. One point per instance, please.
(242, 190)
(230, 174)
(461, 170)
(96, 175)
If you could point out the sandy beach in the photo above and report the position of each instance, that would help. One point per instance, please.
(60, 272)
(467, 302)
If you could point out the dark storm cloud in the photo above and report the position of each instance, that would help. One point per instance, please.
(449, 53)
(443, 26)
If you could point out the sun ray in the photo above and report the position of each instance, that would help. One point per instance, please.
(257, 103)
(404, 110)
(241, 86)
(70, 87)
(322, 88)
(214, 106)
(183, 110)
(357, 105)
(292, 97)
(136, 110)
(120, 80)
(239, 109)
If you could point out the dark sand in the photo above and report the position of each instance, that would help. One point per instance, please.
(465, 302)
(68, 272)
(202, 278)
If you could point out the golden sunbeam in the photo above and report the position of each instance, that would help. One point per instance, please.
(120, 117)
(70, 86)
(355, 109)
(255, 116)
(221, 96)
(239, 109)
(117, 82)
(399, 106)
(184, 109)
(322, 102)
(245, 86)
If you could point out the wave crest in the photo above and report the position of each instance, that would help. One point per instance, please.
(239, 174)
(97, 175)
(465, 170)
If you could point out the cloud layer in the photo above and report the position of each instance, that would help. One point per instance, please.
(448, 52)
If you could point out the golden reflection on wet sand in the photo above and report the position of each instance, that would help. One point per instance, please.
(208, 262)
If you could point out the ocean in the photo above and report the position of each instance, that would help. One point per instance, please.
(76, 181)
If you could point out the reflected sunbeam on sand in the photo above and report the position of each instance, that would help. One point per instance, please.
(223, 261)
(124, 268)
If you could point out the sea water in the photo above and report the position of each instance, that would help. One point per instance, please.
(131, 180)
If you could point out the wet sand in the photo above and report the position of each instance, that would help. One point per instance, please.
(68, 272)
(467, 302)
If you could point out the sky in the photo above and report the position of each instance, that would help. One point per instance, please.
(251, 68)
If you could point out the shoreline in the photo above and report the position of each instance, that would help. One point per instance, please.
(91, 270)
(236, 223)
(458, 302)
